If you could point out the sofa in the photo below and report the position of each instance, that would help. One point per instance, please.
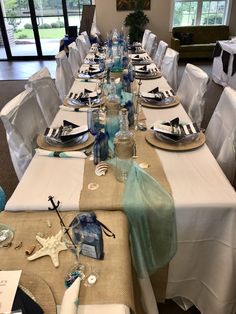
(197, 41)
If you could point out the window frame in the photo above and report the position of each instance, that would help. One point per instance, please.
(199, 11)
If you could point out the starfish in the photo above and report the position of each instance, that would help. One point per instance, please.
(50, 246)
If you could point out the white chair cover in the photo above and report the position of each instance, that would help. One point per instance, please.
(87, 40)
(169, 67)
(23, 121)
(74, 58)
(151, 43)
(191, 91)
(160, 53)
(46, 93)
(146, 34)
(64, 75)
(82, 46)
(221, 133)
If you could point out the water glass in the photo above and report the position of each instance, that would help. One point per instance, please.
(93, 121)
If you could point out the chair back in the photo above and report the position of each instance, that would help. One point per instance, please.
(46, 93)
(81, 44)
(146, 34)
(64, 74)
(74, 58)
(23, 121)
(169, 67)
(221, 133)
(151, 43)
(160, 53)
(87, 40)
(191, 92)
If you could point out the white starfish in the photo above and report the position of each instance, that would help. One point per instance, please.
(50, 246)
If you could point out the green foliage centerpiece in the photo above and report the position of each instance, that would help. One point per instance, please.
(136, 21)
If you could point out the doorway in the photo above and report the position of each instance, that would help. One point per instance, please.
(32, 29)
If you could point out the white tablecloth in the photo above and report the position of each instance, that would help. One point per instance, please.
(218, 74)
(203, 269)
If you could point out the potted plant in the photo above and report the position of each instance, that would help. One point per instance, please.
(136, 21)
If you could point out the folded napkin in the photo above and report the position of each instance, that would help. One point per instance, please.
(70, 154)
(66, 108)
(175, 129)
(157, 96)
(70, 299)
(143, 69)
(137, 58)
(25, 303)
(67, 132)
(93, 68)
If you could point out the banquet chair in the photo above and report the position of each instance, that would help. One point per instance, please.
(87, 40)
(74, 58)
(46, 93)
(146, 34)
(221, 133)
(2, 199)
(64, 74)
(23, 121)
(191, 92)
(169, 67)
(151, 44)
(160, 53)
(81, 44)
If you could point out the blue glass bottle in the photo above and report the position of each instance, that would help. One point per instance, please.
(100, 147)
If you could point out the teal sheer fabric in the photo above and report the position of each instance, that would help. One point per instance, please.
(2, 199)
(151, 215)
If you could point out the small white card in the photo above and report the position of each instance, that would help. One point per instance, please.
(9, 281)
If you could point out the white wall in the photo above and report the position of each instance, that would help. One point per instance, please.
(107, 17)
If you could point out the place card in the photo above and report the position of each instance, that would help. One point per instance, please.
(9, 281)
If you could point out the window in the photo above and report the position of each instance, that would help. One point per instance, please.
(200, 12)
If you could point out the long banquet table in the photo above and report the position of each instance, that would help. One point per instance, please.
(203, 270)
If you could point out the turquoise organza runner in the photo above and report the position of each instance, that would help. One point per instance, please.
(151, 215)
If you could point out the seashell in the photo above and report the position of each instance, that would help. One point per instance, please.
(30, 250)
(101, 169)
(49, 224)
(18, 245)
(144, 165)
(93, 186)
(7, 244)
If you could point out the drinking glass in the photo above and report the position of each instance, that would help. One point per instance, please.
(93, 121)
(112, 126)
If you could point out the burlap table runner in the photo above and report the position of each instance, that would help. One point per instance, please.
(114, 285)
(109, 196)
